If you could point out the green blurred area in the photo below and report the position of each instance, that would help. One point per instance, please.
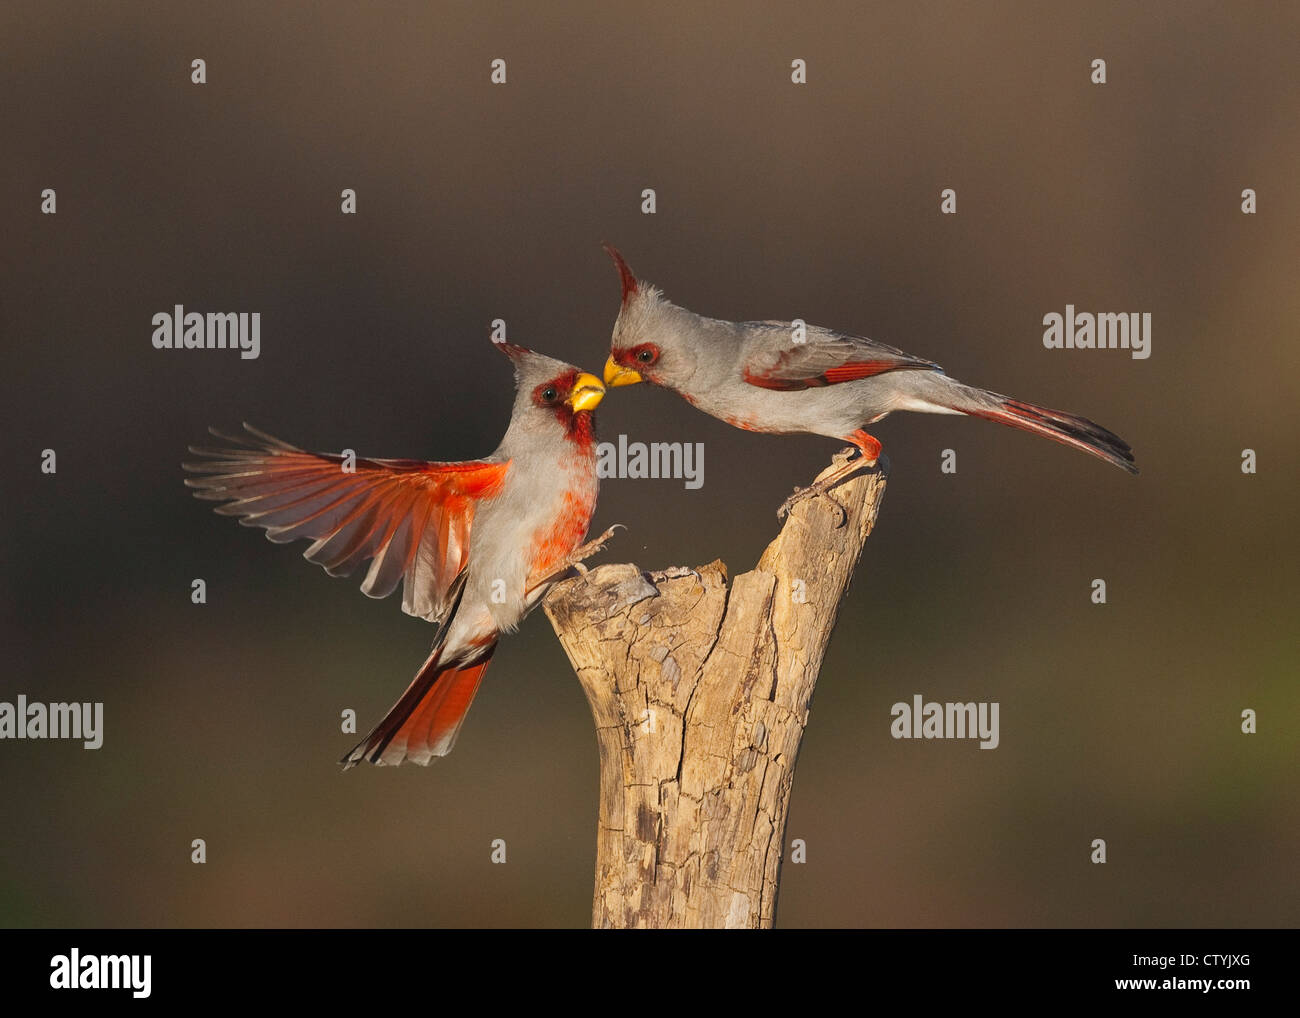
(1119, 721)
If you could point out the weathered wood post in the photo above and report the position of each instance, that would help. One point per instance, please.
(700, 693)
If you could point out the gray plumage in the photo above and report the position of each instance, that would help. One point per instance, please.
(770, 377)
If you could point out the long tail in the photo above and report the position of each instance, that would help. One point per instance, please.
(424, 722)
(1067, 429)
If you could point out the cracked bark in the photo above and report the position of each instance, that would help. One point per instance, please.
(700, 695)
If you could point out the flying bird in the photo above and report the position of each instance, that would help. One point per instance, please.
(474, 545)
(774, 377)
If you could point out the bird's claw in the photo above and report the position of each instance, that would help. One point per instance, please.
(784, 509)
(591, 547)
(658, 576)
(844, 464)
(812, 491)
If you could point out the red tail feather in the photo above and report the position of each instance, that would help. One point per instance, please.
(1067, 429)
(424, 722)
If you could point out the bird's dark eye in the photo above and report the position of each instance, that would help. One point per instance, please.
(549, 394)
(645, 356)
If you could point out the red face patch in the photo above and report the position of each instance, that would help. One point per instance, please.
(638, 358)
(556, 391)
(554, 396)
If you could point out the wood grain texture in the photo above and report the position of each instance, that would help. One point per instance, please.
(700, 692)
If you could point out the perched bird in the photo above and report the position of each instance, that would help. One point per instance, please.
(475, 545)
(773, 377)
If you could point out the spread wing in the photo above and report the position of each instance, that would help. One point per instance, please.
(827, 358)
(410, 519)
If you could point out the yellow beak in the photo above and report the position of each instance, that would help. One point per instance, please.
(616, 375)
(587, 392)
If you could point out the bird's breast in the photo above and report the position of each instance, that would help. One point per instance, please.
(563, 532)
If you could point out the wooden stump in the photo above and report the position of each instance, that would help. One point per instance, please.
(700, 694)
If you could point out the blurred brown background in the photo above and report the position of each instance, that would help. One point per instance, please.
(821, 201)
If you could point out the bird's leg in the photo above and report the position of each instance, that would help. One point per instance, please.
(844, 465)
(574, 561)
(593, 546)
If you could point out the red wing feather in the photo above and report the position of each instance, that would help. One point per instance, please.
(829, 362)
(410, 519)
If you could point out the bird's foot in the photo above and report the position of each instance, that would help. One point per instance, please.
(817, 490)
(574, 561)
(658, 576)
(844, 464)
(591, 547)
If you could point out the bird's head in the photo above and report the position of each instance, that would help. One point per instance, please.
(651, 337)
(549, 392)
